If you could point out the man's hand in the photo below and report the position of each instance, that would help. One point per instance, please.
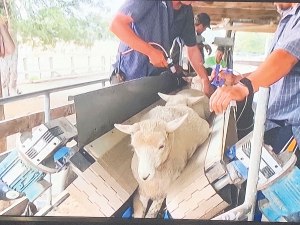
(222, 97)
(208, 49)
(157, 58)
(229, 78)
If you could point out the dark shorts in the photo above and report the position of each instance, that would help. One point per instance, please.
(278, 137)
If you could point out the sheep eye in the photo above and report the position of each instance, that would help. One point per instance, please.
(162, 146)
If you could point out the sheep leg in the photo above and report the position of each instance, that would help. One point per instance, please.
(154, 208)
(140, 203)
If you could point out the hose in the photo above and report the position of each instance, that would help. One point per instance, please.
(169, 60)
(150, 43)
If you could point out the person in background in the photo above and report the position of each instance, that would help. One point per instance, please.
(217, 59)
(137, 23)
(202, 22)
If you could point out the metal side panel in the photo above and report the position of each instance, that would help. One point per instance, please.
(98, 111)
(223, 135)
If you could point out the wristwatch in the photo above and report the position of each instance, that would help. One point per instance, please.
(246, 82)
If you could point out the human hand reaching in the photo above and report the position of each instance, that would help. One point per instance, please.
(229, 77)
(222, 97)
(157, 58)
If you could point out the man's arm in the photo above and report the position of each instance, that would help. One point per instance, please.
(120, 26)
(196, 60)
(277, 65)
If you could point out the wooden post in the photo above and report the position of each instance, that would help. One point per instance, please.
(25, 68)
(51, 66)
(39, 65)
(103, 63)
(3, 144)
(72, 66)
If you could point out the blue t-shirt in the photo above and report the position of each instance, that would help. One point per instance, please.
(284, 100)
(154, 21)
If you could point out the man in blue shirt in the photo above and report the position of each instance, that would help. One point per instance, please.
(139, 23)
(280, 71)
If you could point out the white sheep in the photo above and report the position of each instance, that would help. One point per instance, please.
(194, 82)
(192, 98)
(163, 141)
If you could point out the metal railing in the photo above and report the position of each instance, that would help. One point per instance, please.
(47, 109)
(248, 207)
(47, 93)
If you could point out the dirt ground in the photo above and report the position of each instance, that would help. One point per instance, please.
(70, 207)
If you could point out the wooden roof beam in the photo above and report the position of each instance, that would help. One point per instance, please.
(217, 14)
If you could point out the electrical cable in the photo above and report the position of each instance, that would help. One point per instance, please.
(150, 43)
(242, 110)
(169, 60)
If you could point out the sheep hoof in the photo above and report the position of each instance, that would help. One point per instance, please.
(138, 215)
(154, 208)
(151, 215)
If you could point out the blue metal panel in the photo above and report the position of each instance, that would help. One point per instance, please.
(283, 197)
(27, 181)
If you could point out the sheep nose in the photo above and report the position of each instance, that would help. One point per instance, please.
(145, 178)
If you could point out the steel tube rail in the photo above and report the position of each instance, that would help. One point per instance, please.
(47, 107)
(256, 145)
(47, 119)
(50, 90)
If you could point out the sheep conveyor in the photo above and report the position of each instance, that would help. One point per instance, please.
(104, 180)
(101, 179)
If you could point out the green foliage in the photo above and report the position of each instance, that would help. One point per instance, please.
(250, 42)
(46, 22)
(33, 78)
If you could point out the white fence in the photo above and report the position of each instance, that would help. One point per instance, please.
(47, 67)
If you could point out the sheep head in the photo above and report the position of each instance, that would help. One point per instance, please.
(180, 99)
(152, 142)
(195, 82)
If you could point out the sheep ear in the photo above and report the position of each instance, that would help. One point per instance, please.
(128, 129)
(173, 125)
(188, 79)
(164, 96)
(194, 100)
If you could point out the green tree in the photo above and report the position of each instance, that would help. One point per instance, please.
(45, 22)
(250, 42)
